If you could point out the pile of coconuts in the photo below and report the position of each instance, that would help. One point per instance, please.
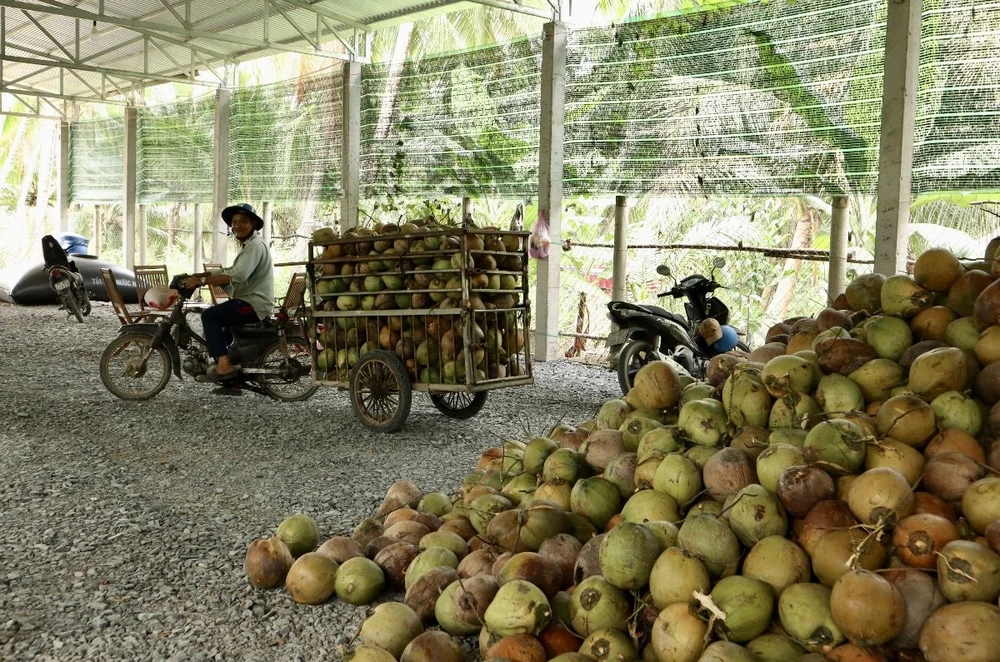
(419, 265)
(834, 495)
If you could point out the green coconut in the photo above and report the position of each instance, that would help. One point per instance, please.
(635, 427)
(837, 393)
(597, 604)
(804, 613)
(787, 374)
(937, 371)
(962, 333)
(483, 508)
(597, 499)
(648, 505)
(564, 465)
(747, 603)
(435, 503)
(754, 514)
(954, 409)
(391, 626)
(430, 558)
(678, 476)
(627, 555)
(774, 459)
(726, 651)
(746, 401)
(655, 386)
(300, 534)
(877, 378)
(621, 473)
(777, 561)
(519, 607)
(889, 336)
(359, 581)
(676, 576)
(536, 452)
(370, 654)
(838, 445)
(460, 607)
(865, 292)
(609, 644)
(901, 296)
(668, 439)
(520, 488)
(612, 414)
(704, 422)
(772, 647)
(678, 635)
(710, 539)
(795, 410)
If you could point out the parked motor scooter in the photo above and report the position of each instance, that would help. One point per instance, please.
(65, 279)
(648, 333)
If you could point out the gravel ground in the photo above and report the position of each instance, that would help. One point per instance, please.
(123, 526)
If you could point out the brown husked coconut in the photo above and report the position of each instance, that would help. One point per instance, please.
(401, 494)
(341, 548)
(987, 348)
(840, 303)
(830, 317)
(843, 355)
(721, 366)
(768, 351)
(986, 309)
(407, 531)
(267, 562)
(394, 560)
(962, 295)
(915, 350)
(931, 323)
(779, 329)
(937, 269)
(423, 593)
(988, 384)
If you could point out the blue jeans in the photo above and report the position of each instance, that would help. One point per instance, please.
(216, 320)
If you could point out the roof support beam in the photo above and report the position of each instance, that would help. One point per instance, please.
(31, 116)
(72, 67)
(170, 29)
(30, 92)
(518, 9)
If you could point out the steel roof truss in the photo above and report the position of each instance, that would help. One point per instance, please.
(48, 34)
(32, 92)
(159, 27)
(327, 13)
(517, 8)
(73, 67)
(314, 44)
(180, 19)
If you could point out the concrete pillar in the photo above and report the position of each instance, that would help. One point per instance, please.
(220, 196)
(64, 175)
(199, 236)
(266, 215)
(839, 229)
(620, 259)
(899, 100)
(128, 210)
(95, 244)
(466, 207)
(143, 230)
(550, 172)
(350, 158)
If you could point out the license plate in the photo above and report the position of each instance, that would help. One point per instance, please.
(62, 285)
(617, 337)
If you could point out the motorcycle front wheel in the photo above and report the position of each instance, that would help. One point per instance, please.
(295, 382)
(85, 306)
(132, 369)
(632, 357)
(71, 304)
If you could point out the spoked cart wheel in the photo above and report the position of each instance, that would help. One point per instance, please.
(457, 404)
(381, 392)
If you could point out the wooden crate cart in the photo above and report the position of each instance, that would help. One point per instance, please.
(411, 309)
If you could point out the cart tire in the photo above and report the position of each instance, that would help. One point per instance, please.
(381, 393)
(458, 404)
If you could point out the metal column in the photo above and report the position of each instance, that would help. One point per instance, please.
(899, 100)
(839, 229)
(466, 207)
(620, 260)
(64, 175)
(128, 241)
(350, 163)
(220, 196)
(550, 168)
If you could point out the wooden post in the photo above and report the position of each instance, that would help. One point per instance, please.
(96, 247)
(466, 207)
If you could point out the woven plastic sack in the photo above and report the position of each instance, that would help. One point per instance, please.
(160, 298)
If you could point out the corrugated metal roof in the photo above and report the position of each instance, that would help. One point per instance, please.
(55, 50)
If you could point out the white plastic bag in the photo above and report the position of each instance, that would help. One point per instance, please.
(160, 298)
(539, 241)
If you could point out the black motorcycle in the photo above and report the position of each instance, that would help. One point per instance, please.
(65, 279)
(648, 333)
(274, 354)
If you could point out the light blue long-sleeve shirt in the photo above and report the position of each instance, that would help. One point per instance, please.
(251, 278)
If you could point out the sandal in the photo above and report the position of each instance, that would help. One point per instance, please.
(212, 376)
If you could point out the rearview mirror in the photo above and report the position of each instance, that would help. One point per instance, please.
(719, 262)
(663, 270)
